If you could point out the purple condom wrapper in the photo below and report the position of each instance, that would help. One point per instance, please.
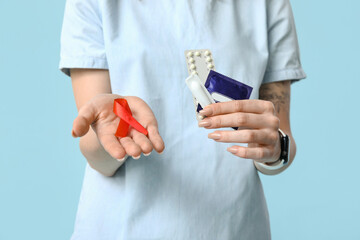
(226, 86)
(218, 83)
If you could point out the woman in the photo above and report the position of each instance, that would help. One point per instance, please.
(204, 185)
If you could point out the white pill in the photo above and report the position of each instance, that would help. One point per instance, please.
(191, 60)
(197, 54)
(190, 54)
(208, 59)
(192, 66)
(207, 53)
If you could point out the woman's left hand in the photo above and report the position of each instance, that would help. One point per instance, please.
(257, 125)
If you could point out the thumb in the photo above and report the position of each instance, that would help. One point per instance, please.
(86, 116)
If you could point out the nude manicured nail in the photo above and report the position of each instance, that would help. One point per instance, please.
(205, 123)
(232, 149)
(147, 154)
(121, 160)
(214, 136)
(206, 112)
(137, 157)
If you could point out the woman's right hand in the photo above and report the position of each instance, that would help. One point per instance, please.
(98, 113)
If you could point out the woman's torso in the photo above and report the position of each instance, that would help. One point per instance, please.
(195, 189)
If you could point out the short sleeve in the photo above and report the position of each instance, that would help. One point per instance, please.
(284, 55)
(82, 39)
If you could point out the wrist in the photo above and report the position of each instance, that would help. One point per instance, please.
(96, 156)
(282, 153)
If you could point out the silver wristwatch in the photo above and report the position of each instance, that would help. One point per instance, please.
(268, 168)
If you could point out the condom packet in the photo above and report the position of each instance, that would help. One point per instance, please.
(200, 62)
(223, 88)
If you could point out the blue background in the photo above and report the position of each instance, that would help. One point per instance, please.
(41, 167)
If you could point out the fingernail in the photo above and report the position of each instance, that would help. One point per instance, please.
(122, 159)
(214, 136)
(206, 111)
(147, 154)
(137, 157)
(205, 123)
(232, 149)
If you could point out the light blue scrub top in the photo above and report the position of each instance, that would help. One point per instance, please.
(195, 189)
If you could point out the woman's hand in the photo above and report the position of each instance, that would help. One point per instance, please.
(98, 113)
(257, 125)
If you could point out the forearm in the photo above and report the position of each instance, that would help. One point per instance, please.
(279, 94)
(96, 155)
(90, 146)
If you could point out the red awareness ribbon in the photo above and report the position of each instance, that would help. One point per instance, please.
(122, 110)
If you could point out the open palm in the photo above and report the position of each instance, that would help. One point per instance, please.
(98, 113)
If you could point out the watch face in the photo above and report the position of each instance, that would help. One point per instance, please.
(285, 146)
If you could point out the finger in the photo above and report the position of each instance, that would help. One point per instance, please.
(131, 148)
(240, 119)
(112, 145)
(143, 142)
(249, 106)
(257, 153)
(156, 139)
(245, 136)
(86, 116)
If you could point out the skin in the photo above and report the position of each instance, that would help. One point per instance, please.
(258, 121)
(96, 123)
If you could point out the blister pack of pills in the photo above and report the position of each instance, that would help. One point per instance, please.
(199, 63)
(208, 86)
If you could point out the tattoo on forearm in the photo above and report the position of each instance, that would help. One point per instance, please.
(278, 93)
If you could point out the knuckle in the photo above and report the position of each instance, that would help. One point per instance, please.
(274, 136)
(269, 106)
(238, 105)
(250, 136)
(275, 122)
(81, 120)
(124, 141)
(216, 108)
(216, 121)
(153, 131)
(228, 136)
(245, 153)
(241, 119)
